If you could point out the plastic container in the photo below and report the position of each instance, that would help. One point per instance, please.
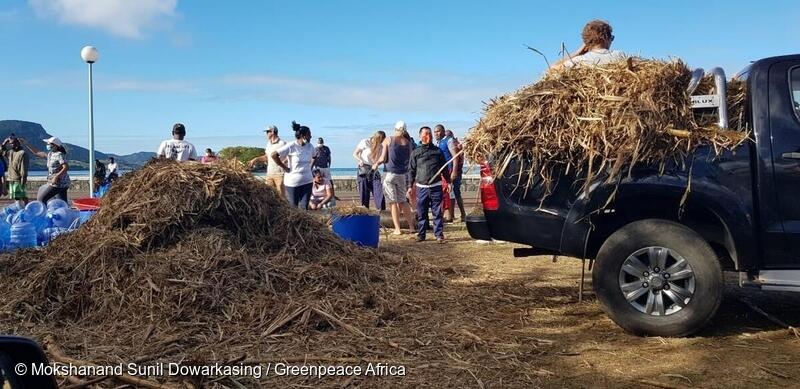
(5, 233)
(363, 230)
(23, 235)
(86, 215)
(55, 203)
(63, 217)
(35, 209)
(49, 233)
(10, 210)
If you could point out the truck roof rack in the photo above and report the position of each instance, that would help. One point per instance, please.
(718, 101)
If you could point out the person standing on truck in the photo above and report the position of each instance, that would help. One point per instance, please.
(428, 167)
(274, 172)
(177, 148)
(596, 49)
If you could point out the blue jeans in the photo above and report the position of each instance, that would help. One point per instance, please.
(430, 199)
(299, 195)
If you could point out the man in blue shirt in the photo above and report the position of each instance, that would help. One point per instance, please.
(449, 148)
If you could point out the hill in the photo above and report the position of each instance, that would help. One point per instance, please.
(77, 156)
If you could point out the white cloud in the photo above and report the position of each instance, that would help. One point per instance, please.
(126, 18)
(444, 94)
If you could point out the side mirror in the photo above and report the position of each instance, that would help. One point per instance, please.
(17, 357)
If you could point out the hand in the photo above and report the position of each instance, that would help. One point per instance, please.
(453, 176)
(360, 163)
(408, 193)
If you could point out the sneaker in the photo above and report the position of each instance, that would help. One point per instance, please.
(441, 240)
(419, 238)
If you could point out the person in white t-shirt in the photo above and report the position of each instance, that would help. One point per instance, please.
(274, 172)
(298, 179)
(596, 49)
(368, 179)
(177, 148)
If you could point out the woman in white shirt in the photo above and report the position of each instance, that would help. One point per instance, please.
(368, 179)
(298, 179)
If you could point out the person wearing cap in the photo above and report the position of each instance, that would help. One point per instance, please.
(57, 169)
(322, 159)
(395, 155)
(274, 172)
(17, 162)
(177, 148)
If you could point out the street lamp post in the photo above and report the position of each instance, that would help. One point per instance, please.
(90, 55)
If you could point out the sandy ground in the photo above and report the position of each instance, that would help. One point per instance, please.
(521, 325)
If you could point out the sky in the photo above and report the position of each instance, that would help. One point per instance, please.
(228, 69)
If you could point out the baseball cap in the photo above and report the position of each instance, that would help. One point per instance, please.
(54, 141)
(272, 128)
(400, 125)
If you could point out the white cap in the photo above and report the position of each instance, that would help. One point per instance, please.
(53, 140)
(400, 125)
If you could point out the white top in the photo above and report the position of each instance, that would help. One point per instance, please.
(179, 150)
(112, 167)
(299, 163)
(272, 168)
(364, 148)
(596, 57)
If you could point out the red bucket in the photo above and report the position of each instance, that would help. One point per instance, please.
(87, 204)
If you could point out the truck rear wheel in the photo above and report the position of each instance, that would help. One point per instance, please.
(657, 277)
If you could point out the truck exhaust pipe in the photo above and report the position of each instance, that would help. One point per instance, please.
(721, 84)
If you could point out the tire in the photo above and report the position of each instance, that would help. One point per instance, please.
(648, 241)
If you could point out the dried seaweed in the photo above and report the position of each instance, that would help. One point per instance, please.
(601, 121)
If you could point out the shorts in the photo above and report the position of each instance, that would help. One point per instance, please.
(17, 191)
(394, 188)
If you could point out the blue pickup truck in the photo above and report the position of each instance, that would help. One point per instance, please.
(659, 262)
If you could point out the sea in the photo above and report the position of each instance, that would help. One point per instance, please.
(335, 172)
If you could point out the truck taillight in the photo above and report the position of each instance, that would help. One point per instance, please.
(488, 191)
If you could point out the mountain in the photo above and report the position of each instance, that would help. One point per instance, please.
(77, 156)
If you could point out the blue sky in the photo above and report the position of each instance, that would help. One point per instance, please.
(344, 68)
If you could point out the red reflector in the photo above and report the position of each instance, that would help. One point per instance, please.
(488, 191)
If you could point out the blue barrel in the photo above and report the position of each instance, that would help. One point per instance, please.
(362, 230)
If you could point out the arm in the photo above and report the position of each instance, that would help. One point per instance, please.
(357, 155)
(384, 155)
(162, 153)
(33, 149)
(451, 145)
(261, 158)
(445, 168)
(328, 195)
(192, 154)
(413, 170)
(60, 173)
(560, 63)
(26, 161)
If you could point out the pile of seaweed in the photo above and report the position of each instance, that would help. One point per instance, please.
(602, 121)
(197, 261)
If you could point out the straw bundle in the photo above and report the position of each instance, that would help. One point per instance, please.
(597, 121)
(190, 252)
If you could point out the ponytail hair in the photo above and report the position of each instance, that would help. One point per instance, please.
(300, 131)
